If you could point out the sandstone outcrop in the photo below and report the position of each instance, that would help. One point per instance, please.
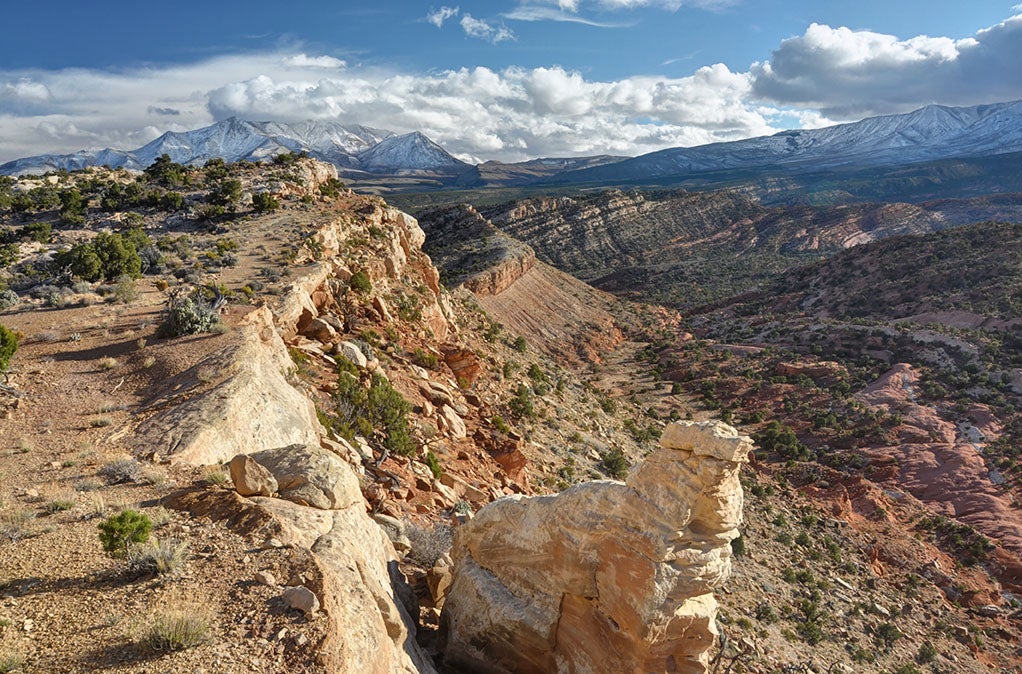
(606, 577)
(942, 464)
(248, 405)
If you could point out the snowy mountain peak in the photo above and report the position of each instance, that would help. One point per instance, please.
(412, 151)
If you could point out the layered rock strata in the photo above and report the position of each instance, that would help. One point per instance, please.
(606, 576)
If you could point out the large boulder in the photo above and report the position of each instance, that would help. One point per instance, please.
(311, 475)
(606, 576)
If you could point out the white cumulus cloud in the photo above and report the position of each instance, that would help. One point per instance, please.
(848, 74)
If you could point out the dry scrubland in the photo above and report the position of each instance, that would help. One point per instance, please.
(432, 400)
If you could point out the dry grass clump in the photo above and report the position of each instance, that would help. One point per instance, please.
(177, 625)
(121, 470)
(215, 475)
(167, 557)
(429, 543)
(15, 523)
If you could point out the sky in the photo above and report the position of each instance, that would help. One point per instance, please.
(494, 79)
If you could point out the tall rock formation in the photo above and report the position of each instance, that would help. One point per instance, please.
(606, 577)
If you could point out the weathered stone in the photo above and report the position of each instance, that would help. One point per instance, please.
(382, 309)
(265, 578)
(438, 579)
(604, 577)
(302, 599)
(319, 330)
(463, 363)
(455, 424)
(251, 479)
(351, 351)
(311, 475)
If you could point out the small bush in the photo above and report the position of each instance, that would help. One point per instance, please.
(120, 471)
(185, 316)
(8, 299)
(264, 202)
(177, 627)
(331, 188)
(429, 543)
(118, 532)
(8, 347)
(615, 464)
(158, 558)
(520, 345)
(885, 635)
(434, 465)
(11, 663)
(927, 653)
(425, 359)
(738, 546)
(499, 423)
(360, 283)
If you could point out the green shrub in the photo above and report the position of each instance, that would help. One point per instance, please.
(8, 346)
(8, 254)
(885, 635)
(8, 299)
(927, 653)
(499, 423)
(360, 283)
(37, 231)
(425, 359)
(72, 207)
(164, 170)
(434, 465)
(777, 437)
(105, 257)
(264, 202)
(520, 406)
(738, 546)
(520, 345)
(379, 412)
(118, 532)
(226, 193)
(615, 464)
(331, 188)
(185, 316)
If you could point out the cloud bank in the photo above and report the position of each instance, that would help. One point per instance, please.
(515, 113)
(844, 73)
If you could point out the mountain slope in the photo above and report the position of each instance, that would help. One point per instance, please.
(933, 132)
(410, 152)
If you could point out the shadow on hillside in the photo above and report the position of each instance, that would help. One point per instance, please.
(114, 655)
(113, 350)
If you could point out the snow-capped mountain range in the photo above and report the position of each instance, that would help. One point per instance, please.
(348, 147)
(930, 133)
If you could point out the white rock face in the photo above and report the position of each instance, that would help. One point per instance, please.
(252, 407)
(605, 577)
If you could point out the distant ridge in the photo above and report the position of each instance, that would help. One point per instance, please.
(348, 147)
(930, 133)
(412, 161)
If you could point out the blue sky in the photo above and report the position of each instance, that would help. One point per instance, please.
(507, 79)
